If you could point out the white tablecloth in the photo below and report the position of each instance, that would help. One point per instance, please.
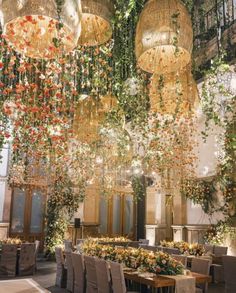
(21, 286)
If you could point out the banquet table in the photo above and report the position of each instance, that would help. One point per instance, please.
(160, 281)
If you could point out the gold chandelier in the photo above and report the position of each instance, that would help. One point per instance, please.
(31, 26)
(174, 94)
(89, 115)
(96, 22)
(164, 37)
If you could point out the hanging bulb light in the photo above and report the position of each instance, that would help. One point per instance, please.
(96, 22)
(31, 26)
(164, 37)
(174, 94)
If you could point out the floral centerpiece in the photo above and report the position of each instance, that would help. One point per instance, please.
(136, 258)
(109, 239)
(10, 241)
(185, 247)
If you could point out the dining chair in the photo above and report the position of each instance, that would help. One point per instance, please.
(8, 260)
(148, 247)
(90, 273)
(144, 241)
(229, 264)
(201, 266)
(79, 272)
(159, 248)
(170, 250)
(118, 279)
(37, 245)
(134, 244)
(180, 258)
(103, 276)
(220, 250)
(70, 272)
(27, 260)
(61, 272)
(79, 241)
(68, 245)
(217, 270)
(208, 248)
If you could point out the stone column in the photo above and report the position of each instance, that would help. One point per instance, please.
(155, 216)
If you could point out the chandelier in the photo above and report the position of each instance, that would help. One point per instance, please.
(164, 36)
(89, 116)
(31, 26)
(96, 22)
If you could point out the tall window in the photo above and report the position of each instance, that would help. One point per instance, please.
(27, 213)
(117, 215)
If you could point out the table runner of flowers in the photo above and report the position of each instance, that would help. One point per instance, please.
(108, 239)
(185, 247)
(136, 258)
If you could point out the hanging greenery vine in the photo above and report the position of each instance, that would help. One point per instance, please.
(201, 192)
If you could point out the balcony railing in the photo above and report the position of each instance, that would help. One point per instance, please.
(214, 21)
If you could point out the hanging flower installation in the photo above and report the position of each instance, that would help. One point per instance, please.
(96, 22)
(41, 29)
(164, 37)
(170, 146)
(174, 94)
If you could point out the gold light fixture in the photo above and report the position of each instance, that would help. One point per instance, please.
(108, 102)
(31, 26)
(174, 94)
(89, 116)
(164, 37)
(96, 22)
(86, 120)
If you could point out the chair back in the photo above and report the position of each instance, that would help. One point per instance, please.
(180, 258)
(70, 272)
(117, 276)
(229, 264)
(134, 244)
(170, 250)
(91, 276)
(27, 260)
(79, 241)
(159, 248)
(8, 260)
(61, 273)
(209, 249)
(220, 250)
(103, 276)
(79, 272)
(37, 244)
(148, 247)
(201, 266)
(144, 241)
(68, 245)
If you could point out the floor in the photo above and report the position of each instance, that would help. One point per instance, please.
(46, 271)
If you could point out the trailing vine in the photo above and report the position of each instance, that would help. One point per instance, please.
(201, 192)
(62, 203)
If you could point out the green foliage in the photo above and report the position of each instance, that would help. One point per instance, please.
(216, 234)
(139, 188)
(61, 205)
(200, 192)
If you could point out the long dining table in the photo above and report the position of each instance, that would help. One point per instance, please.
(160, 281)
